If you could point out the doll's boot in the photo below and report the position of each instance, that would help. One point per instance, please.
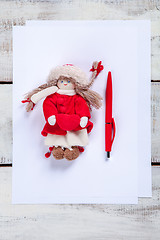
(71, 154)
(58, 153)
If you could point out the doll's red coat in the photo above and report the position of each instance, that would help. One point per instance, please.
(68, 111)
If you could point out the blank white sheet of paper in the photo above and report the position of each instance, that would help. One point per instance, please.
(90, 178)
(144, 102)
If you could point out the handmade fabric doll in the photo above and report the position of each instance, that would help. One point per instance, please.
(66, 109)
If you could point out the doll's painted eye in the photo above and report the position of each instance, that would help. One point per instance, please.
(69, 81)
(61, 81)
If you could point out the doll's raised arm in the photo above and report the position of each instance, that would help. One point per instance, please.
(43, 93)
(31, 98)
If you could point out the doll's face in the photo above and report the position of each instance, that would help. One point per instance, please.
(65, 84)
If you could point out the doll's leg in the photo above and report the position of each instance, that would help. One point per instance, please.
(58, 153)
(56, 140)
(67, 146)
(75, 139)
(71, 154)
(59, 142)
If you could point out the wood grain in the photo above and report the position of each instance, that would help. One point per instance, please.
(6, 123)
(17, 12)
(155, 113)
(70, 222)
(95, 222)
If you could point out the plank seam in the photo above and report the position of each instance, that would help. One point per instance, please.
(10, 164)
(9, 82)
(6, 165)
(155, 164)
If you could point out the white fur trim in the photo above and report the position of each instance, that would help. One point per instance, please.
(83, 121)
(68, 71)
(52, 120)
(43, 93)
(72, 138)
(66, 92)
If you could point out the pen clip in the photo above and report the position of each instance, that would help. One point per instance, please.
(114, 130)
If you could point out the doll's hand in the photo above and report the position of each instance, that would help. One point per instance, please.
(83, 121)
(52, 120)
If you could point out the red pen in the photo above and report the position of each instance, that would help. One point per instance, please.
(109, 120)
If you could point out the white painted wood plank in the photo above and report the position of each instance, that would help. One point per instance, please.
(78, 222)
(155, 111)
(6, 123)
(17, 12)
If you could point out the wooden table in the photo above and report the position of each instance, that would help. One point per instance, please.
(76, 221)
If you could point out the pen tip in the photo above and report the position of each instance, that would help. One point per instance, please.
(108, 154)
